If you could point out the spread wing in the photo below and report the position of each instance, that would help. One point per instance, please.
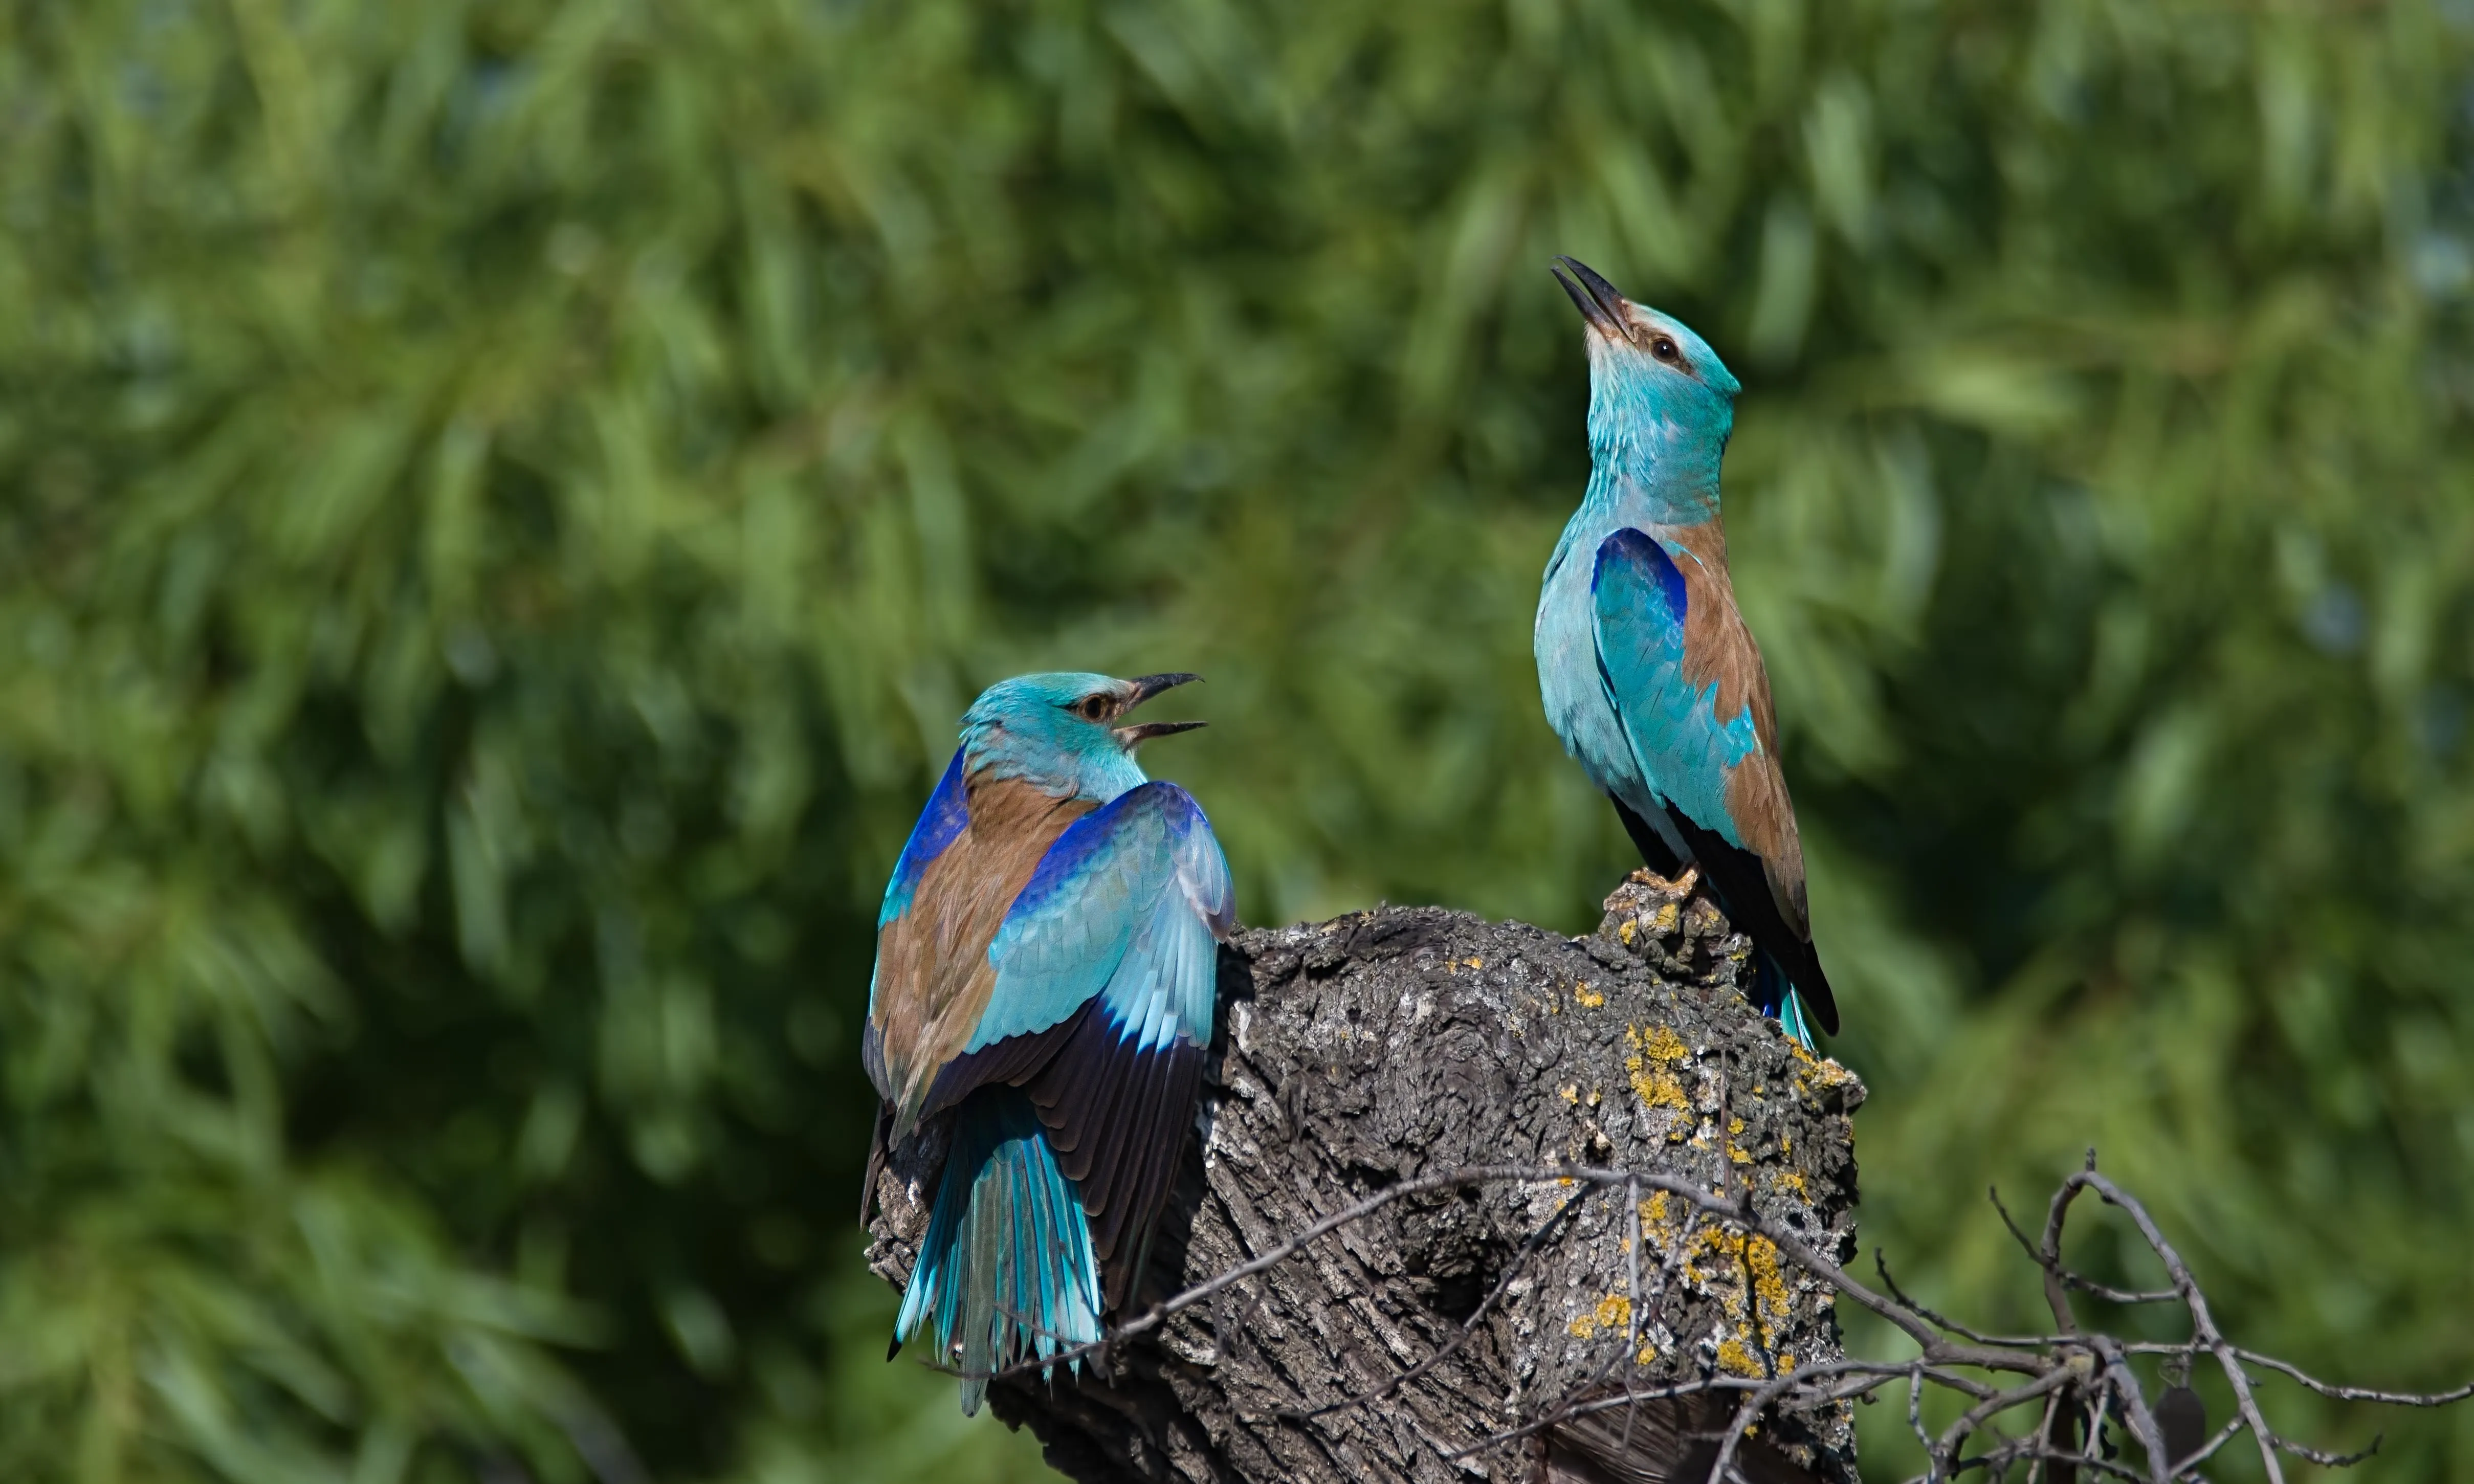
(1688, 689)
(1105, 967)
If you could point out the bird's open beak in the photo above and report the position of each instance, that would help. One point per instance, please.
(1594, 297)
(1145, 688)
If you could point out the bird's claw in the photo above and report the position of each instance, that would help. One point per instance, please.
(1674, 890)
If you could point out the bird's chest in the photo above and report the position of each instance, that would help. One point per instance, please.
(1575, 698)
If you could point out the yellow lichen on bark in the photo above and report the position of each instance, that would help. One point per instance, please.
(1650, 1060)
(1655, 1217)
(1613, 1313)
(1718, 1256)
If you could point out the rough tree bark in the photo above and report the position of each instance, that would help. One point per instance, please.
(1405, 1041)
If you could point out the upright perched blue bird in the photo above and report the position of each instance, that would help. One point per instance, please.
(1647, 670)
(1046, 960)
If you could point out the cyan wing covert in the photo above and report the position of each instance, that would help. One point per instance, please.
(1683, 747)
(1124, 907)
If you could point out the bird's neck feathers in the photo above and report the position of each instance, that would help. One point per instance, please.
(1655, 440)
(1067, 767)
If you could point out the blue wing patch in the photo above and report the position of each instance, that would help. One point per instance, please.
(1684, 750)
(1128, 906)
(941, 823)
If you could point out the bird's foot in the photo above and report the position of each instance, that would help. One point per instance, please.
(1648, 903)
(1673, 890)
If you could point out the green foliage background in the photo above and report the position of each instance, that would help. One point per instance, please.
(500, 506)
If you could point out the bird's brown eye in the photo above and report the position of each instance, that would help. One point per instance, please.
(1094, 707)
(1664, 349)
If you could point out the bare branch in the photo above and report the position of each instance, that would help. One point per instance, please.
(1745, 1415)
(1882, 1265)
(2394, 1399)
(2327, 1460)
(2127, 1390)
(1955, 1437)
(2201, 1321)
(2048, 1256)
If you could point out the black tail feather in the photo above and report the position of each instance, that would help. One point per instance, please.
(1655, 852)
(876, 1152)
(1740, 882)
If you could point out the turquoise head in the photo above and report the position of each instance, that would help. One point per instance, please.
(1662, 403)
(1061, 733)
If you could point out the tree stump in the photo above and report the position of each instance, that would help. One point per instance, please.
(1396, 1044)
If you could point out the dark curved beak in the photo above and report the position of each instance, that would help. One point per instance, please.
(1145, 688)
(1593, 295)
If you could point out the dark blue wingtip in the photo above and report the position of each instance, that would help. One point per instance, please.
(893, 1350)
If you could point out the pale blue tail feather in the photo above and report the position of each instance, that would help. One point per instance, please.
(1776, 996)
(1006, 1272)
(1792, 1020)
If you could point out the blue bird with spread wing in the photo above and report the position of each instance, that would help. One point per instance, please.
(1647, 670)
(1046, 965)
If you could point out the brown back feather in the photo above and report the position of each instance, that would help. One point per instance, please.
(932, 974)
(1718, 648)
